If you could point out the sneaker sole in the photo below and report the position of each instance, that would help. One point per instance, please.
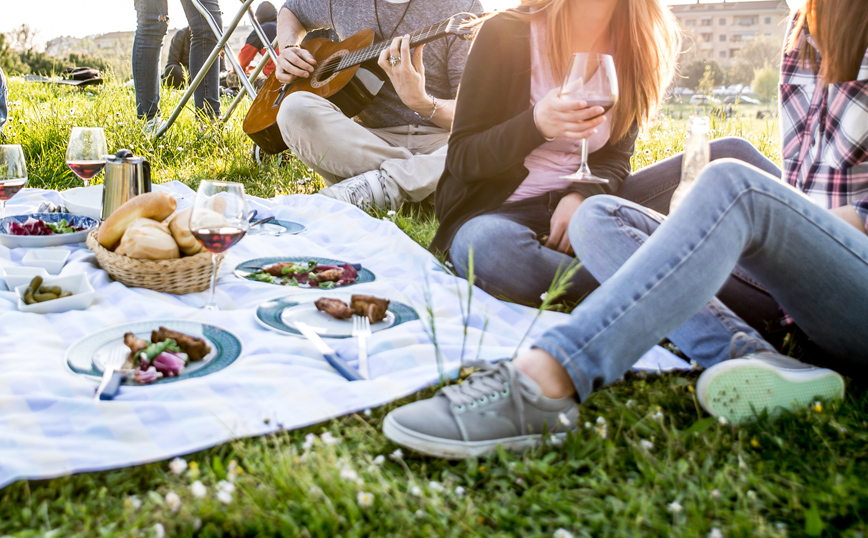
(739, 389)
(458, 450)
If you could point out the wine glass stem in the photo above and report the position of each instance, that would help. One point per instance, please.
(212, 302)
(584, 169)
(86, 182)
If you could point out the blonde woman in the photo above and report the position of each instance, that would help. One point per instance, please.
(513, 137)
(810, 252)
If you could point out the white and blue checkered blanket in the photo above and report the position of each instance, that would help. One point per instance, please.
(51, 426)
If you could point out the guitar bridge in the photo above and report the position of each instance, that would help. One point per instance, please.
(281, 95)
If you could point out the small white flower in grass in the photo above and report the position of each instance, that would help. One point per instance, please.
(178, 465)
(396, 455)
(159, 530)
(675, 507)
(562, 533)
(715, 533)
(315, 490)
(646, 444)
(329, 439)
(198, 488)
(460, 491)
(544, 295)
(435, 486)
(723, 421)
(630, 404)
(179, 148)
(601, 421)
(587, 425)
(391, 213)
(197, 524)
(416, 491)
(658, 416)
(715, 494)
(563, 420)
(419, 513)
(309, 440)
(367, 412)
(349, 474)
(379, 460)
(751, 494)
(173, 501)
(224, 496)
(386, 219)
(365, 499)
(449, 265)
(223, 485)
(133, 502)
(781, 526)
(232, 471)
(604, 432)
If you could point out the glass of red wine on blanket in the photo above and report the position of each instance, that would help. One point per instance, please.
(86, 152)
(591, 78)
(218, 221)
(13, 174)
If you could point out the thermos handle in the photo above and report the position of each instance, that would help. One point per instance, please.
(146, 180)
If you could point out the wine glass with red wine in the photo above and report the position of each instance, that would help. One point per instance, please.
(86, 152)
(591, 78)
(13, 174)
(218, 221)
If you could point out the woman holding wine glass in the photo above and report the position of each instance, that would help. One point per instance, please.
(528, 115)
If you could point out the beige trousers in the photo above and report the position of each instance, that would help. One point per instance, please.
(318, 133)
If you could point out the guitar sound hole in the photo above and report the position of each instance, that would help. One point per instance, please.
(328, 69)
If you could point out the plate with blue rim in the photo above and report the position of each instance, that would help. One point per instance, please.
(35, 241)
(247, 269)
(281, 314)
(277, 227)
(85, 356)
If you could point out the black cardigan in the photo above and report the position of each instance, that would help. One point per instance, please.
(494, 131)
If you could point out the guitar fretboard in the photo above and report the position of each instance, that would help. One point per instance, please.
(371, 52)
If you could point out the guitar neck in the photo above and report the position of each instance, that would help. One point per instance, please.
(372, 52)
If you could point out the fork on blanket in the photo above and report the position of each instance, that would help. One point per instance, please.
(361, 331)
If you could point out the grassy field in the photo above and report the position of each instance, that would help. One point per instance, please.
(647, 461)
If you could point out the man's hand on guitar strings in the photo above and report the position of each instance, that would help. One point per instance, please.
(294, 62)
(407, 74)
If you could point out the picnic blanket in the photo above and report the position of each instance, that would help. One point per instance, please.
(51, 426)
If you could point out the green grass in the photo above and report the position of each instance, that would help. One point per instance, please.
(801, 475)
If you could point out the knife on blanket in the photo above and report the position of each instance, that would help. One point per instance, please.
(330, 356)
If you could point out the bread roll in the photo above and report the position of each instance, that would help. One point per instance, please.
(148, 239)
(151, 205)
(180, 228)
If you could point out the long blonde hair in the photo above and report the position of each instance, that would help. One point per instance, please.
(840, 31)
(647, 41)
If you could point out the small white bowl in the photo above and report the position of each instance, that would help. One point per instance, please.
(81, 298)
(16, 275)
(52, 259)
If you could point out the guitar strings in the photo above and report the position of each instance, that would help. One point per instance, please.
(372, 51)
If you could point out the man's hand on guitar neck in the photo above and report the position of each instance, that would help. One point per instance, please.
(407, 73)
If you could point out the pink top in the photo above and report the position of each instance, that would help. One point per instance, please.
(560, 157)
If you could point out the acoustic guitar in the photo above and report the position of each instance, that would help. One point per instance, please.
(346, 74)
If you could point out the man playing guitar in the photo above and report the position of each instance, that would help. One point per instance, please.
(395, 149)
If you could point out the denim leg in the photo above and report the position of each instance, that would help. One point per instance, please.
(207, 94)
(814, 264)
(3, 94)
(609, 230)
(509, 260)
(653, 185)
(152, 22)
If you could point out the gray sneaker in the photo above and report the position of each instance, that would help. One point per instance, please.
(362, 191)
(497, 406)
(740, 388)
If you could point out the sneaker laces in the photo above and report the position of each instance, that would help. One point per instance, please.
(358, 191)
(742, 344)
(490, 382)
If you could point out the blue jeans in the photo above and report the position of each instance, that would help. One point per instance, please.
(3, 96)
(510, 262)
(152, 22)
(813, 263)
(207, 94)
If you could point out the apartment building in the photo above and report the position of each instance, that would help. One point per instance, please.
(720, 29)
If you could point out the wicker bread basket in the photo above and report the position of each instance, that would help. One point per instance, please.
(178, 276)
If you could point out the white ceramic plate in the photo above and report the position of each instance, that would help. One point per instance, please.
(16, 276)
(85, 201)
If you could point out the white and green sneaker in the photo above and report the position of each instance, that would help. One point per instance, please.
(497, 406)
(363, 191)
(739, 389)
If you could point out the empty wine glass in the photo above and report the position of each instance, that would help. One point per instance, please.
(218, 221)
(13, 174)
(86, 152)
(591, 78)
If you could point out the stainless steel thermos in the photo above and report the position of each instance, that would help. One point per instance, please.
(126, 176)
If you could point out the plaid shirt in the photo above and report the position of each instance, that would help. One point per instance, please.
(825, 133)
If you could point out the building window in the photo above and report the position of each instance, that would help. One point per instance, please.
(748, 21)
(722, 54)
(706, 38)
(735, 38)
(705, 22)
(721, 22)
(722, 38)
(732, 52)
(690, 22)
(768, 20)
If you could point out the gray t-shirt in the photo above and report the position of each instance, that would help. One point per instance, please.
(444, 58)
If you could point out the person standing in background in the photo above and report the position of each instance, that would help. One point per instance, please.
(203, 41)
(3, 94)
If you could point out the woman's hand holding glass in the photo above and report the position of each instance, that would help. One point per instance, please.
(558, 116)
